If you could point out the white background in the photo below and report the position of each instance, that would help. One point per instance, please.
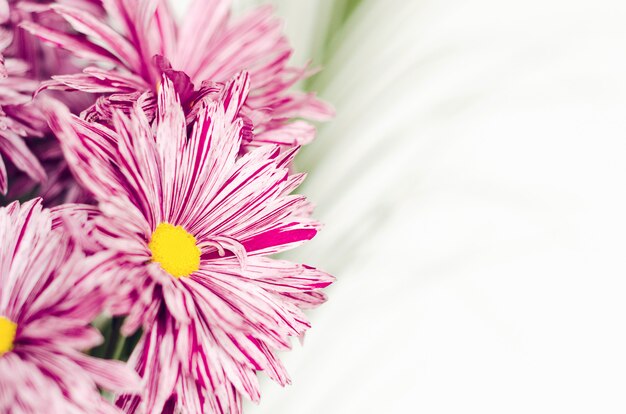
(473, 187)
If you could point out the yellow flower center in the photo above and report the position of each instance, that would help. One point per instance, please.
(175, 250)
(7, 335)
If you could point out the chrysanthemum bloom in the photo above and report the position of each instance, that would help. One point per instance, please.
(205, 50)
(43, 62)
(23, 62)
(193, 224)
(19, 117)
(22, 120)
(49, 293)
(60, 186)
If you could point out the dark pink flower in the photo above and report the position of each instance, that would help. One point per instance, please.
(198, 55)
(19, 119)
(22, 45)
(60, 186)
(192, 225)
(49, 294)
(22, 62)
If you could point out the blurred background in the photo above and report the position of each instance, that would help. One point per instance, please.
(473, 187)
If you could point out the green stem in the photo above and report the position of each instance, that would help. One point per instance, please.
(112, 344)
(119, 347)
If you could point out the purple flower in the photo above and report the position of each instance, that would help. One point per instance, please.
(191, 225)
(199, 56)
(19, 117)
(60, 186)
(22, 63)
(49, 293)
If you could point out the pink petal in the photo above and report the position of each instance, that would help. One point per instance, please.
(16, 150)
(85, 23)
(73, 43)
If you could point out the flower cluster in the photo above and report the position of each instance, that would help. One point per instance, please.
(156, 155)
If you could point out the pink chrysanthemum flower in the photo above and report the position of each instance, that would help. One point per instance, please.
(206, 50)
(49, 293)
(193, 225)
(43, 62)
(24, 134)
(19, 117)
(60, 186)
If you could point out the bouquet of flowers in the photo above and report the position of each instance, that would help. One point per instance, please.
(148, 185)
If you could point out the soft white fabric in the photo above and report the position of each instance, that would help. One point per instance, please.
(473, 188)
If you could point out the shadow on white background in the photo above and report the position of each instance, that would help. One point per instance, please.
(473, 187)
